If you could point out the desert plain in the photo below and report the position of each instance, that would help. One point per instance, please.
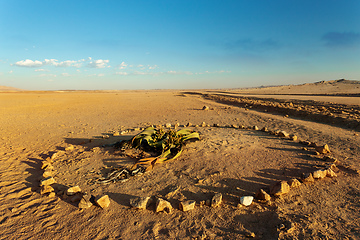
(240, 151)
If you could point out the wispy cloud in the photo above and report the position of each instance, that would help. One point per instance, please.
(41, 70)
(341, 39)
(99, 63)
(252, 45)
(96, 75)
(122, 65)
(47, 75)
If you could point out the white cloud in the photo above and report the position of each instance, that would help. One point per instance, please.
(96, 75)
(11, 71)
(153, 67)
(65, 75)
(123, 65)
(41, 70)
(47, 75)
(29, 63)
(122, 73)
(100, 63)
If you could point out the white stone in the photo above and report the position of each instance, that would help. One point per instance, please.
(246, 200)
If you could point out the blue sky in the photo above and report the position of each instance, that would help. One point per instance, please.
(51, 45)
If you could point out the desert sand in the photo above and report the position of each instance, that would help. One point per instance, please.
(232, 158)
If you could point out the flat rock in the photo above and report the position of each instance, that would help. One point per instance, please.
(216, 200)
(47, 181)
(103, 201)
(187, 205)
(262, 195)
(163, 205)
(294, 183)
(318, 174)
(73, 190)
(47, 173)
(46, 189)
(246, 200)
(307, 178)
(280, 188)
(140, 202)
(85, 202)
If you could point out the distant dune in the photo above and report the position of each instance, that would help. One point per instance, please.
(333, 87)
(9, 89)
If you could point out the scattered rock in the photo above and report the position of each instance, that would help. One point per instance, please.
(189, 124)
(52, 194)
(172, 192)
(216, 125)
(117, 133)
(318, 174)
(306, 143)
(280, 188)
(307, 178)
(45, 165)
(85, 201)
(216, 200)
(202, 203)
(255, 128)
(205, 108)
(249, 234)
(330, 173)
(246, 200)
(47, 181)
(283, 134)
(163, 205)
(69, 148)
(103, 201)
(264, 129)
(208, 202)
(293, 137)
(262, 195)
(46, 189)
(330, 159)
(234, 126)
(47, 174)
(105, 136)
(187, 205)
(73, 190)
(140, 202)
(76, 197)
(168, 125)
(203, 124)
(323, 149)
(294, 183)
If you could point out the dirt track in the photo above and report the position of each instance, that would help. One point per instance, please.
(234, 162)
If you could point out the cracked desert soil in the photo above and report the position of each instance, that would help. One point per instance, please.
(234, 162)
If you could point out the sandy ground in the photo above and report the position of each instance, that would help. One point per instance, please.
(231, 161)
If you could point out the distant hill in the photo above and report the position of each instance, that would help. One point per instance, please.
(9, 89)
